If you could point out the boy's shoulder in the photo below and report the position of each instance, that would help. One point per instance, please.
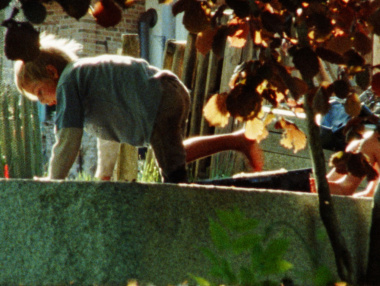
(107, 58)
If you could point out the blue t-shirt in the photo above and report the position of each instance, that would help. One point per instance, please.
(113, 97)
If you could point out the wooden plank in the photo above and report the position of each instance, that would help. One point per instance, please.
(127, 162)
(173, 56)
(190, 58)
(179, 51)
(198, 94)
(212, 87)
(228, 163)
(168, 55)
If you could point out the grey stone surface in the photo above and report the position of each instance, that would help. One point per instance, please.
(105, 233)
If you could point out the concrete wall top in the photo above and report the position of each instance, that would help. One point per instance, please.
(105, 233)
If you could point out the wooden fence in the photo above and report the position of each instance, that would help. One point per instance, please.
(206, 75)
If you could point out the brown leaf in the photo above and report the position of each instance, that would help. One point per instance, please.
(375, 83)
(277, 76)
(341, 88)
(292, 137)
(352, 106)
(297, 87)
(240, 7)
(269, 118)
(362, 43)
(75, 8)
(345, 17)
(196, 16)
(241, 30)
(272, 22)
(340, 44)
(321, 102)
(356, 165)
(330, 56)
(22, 41)
(243, 103)
(353, 59)
(374, 21)
(179, 7)
(306, 61)
(363, 78)
(339, 161)
(323, 26)
(272, 96)
(284, 81)
(255, 129)
(204, 40)
(215, 111)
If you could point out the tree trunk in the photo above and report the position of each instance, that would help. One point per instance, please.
(326, 207)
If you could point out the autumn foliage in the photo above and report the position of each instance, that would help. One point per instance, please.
(309, 33)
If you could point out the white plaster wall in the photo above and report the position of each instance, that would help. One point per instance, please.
(168, 27)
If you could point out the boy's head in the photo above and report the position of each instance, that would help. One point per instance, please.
(54, 56)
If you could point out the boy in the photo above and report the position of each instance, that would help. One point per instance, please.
(116, 98)
(122, 99)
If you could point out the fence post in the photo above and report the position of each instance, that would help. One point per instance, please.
(127, 161)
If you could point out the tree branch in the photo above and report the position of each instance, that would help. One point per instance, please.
(326, 207)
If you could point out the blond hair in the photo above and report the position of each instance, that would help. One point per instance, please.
(53, 51)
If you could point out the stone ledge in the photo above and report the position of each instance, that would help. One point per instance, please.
(57, 233)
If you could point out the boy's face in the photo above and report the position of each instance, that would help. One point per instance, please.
(45, 90)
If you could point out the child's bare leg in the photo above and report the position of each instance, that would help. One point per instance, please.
(107, 157)
(203, 146)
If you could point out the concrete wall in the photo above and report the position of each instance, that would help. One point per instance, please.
(105, 233)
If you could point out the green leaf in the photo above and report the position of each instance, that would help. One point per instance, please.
(201, 281)
(283, 266)
(219, 236)
(272, 257)
(229, 276)
(214, 258)
(276, 248)
(236, 221)
(245, 242)
(257, 258)
(323, 276)
(321, 234)
(247, 277)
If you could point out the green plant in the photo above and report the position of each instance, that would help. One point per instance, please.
(234, 237)
(150, 171)
(321, 275)
(20, 136)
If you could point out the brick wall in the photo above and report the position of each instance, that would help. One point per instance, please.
(94, 37)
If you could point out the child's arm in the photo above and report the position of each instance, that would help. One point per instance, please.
(64, 152)
(346, 185)
(369, 190)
